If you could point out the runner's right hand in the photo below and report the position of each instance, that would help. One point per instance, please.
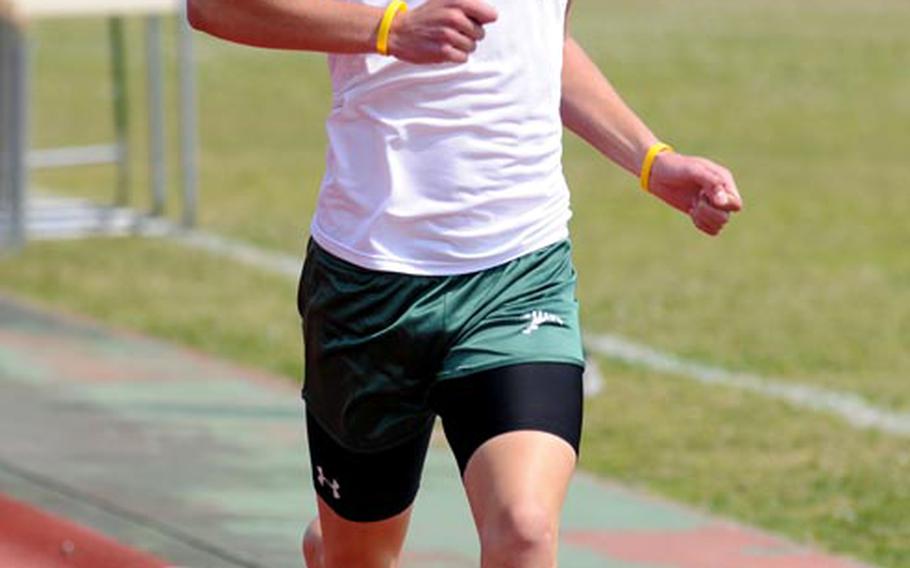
(440, 31)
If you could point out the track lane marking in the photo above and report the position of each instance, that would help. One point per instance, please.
(852, 408)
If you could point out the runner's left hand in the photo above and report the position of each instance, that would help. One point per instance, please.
(698, 187)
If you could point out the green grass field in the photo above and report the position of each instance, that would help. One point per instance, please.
(808, 103)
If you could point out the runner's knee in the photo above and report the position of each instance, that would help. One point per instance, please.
(512, 535)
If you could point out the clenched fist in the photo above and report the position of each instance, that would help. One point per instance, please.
(440, 31)
(704, 190)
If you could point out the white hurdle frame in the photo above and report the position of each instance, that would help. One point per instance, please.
(16, 157)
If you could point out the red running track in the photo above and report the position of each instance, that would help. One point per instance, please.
(30, 538)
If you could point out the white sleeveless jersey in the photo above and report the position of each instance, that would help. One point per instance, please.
(450, 168)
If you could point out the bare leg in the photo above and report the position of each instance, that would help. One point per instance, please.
(334, 542)
(516, 484)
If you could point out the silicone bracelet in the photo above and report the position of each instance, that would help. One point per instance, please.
(646, 166)
(385, 26)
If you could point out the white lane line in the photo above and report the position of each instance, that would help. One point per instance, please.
(593, 379)
(271, 261)
(854, 409)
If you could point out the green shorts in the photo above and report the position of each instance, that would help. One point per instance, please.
(378, 342)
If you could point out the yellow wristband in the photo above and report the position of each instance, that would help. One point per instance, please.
(646, 166)
(385, 26)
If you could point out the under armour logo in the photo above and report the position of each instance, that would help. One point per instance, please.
(538, 318)
(332, 483)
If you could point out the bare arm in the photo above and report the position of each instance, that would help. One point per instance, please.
(436, 31)
(593, 110)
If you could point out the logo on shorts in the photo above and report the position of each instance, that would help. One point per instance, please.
(538, 318)
(332, 483)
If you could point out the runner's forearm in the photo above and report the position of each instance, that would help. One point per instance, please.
(310, 25)
(593, 110)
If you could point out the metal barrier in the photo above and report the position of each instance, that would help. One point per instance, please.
(16, 157)
(13, 69)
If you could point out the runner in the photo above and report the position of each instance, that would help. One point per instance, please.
(438, 280)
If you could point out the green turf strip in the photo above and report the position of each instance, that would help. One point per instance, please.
(167, 291)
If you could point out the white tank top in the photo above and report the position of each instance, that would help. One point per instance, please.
(450, 168)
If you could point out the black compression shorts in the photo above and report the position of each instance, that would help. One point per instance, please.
(371, 486)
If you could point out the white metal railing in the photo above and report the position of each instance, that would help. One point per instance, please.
(16, 156)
